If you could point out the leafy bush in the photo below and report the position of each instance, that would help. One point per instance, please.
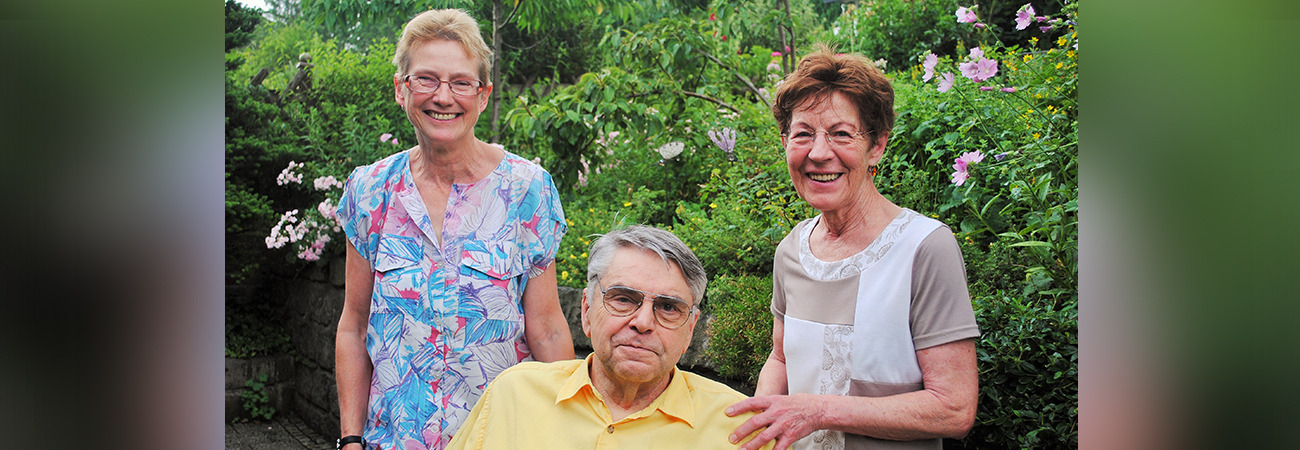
(740, 333)
(1029, 372)
(253, 329)
(743, 214)
(257, 403)
(1012, 139)
(586, 220)
(897, 30)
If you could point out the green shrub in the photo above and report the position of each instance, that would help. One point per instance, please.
(898, 30)
(586, 219)
(257, 403)
(740, 332)
(1029, 372)
(743, 214)
(253, 328)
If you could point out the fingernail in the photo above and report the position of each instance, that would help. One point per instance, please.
(730, 411)
(731, 439)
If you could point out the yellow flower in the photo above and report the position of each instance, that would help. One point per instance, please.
(584, 254)
(713, 205)
(1036, 136)
(627, 203)
(1059, 65)
(1028, 58)
(1032, 40)
(570, 222)
(564, 275)
(591, 210)
(1060, 42)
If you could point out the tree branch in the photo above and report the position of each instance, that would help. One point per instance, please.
(511, 16)
(742, 79)
(714, 100)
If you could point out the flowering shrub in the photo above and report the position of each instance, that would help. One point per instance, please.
(995, 127)
(1016, 106)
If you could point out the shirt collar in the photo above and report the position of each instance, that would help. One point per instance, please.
(674, 401)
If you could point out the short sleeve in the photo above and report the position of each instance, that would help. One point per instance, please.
(544, 224)
(941, 310)
(357, 207)
(785, 260)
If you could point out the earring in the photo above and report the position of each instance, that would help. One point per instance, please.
(871, 170)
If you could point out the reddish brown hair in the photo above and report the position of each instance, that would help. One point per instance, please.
(824, 72)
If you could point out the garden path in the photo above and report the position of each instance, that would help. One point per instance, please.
(284, 432)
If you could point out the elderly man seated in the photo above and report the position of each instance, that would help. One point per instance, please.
(639, 309)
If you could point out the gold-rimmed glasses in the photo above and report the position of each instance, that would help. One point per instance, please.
(623, 301)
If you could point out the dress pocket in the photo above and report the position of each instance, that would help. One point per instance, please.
(400, 278)
(490, 279)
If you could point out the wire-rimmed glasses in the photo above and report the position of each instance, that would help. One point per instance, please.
(837, 138)
(623, 301)
(424, 85)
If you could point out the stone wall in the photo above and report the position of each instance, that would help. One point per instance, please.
(315, 301)
(279, 384)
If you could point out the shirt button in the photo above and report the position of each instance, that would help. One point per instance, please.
(610, 429)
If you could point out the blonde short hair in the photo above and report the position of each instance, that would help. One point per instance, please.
(450, 24)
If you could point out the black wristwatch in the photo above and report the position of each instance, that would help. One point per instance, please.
(338, 445)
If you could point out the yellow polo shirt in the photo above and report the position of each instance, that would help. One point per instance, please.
(537, 405)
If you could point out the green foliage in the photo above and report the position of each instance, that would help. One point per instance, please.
(587, 220)
(256, 401)
(1024, 193)
(898, 30)
(740, 333)
(253, 330)
(358, 22)
(329, 131)
(240, 23)
(1029, 372)
(748, 211)
(770, 24)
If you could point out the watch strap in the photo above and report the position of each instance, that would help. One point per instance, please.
(354, 439)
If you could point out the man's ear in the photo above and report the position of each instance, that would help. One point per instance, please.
(586, 316)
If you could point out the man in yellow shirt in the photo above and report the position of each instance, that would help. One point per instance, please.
(639, 309)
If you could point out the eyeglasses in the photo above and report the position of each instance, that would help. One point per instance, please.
(424, 85)
(837, 138)
(622, 301)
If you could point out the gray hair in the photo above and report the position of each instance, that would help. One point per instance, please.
(665, 244)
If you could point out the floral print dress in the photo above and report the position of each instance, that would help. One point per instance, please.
(445, 319)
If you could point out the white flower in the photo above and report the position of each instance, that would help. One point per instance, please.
(671, 149)
(288, 176)
(326, 183)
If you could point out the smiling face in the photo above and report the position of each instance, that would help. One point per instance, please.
(636, 350)
(440, 117)
(829, 177)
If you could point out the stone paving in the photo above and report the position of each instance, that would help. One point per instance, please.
(284, 432)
